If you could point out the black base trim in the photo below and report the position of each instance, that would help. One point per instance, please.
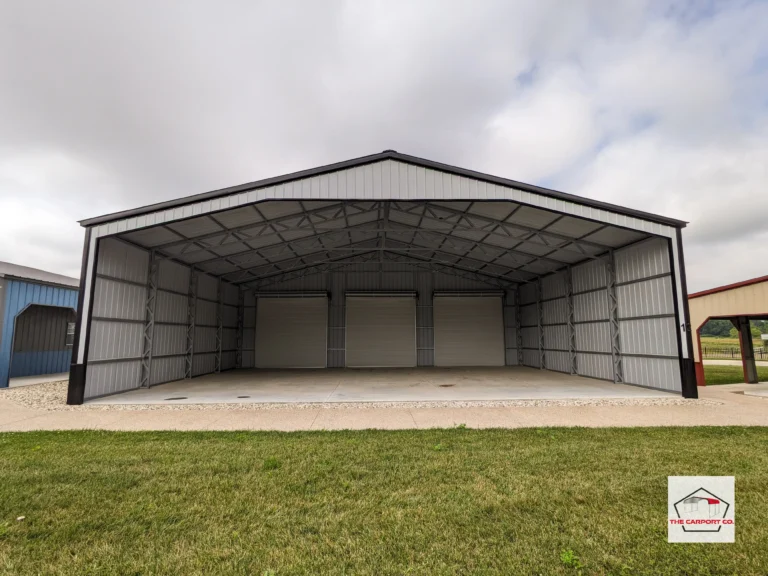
(690, 390)
(76, 390)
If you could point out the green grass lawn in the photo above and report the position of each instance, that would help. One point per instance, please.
(730, 374)
(459, 501)
(720, 342)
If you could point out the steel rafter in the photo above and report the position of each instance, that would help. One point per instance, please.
(613, 315)
(470, 221)
(275, 226)
(148, 334)
(189, 353)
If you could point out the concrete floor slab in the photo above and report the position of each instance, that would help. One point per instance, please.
(720, 406)
(379, 385)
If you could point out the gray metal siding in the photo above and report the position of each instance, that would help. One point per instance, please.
(645, 289)
(116, 337)
(119, 306)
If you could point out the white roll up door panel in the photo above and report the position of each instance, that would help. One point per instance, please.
(381, 331)
(291, 332)
(469, 331)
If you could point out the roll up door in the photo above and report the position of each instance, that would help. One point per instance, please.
(381, 331)
(469, 331)
(291, 332)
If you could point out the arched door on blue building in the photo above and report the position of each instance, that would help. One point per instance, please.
(34, 323)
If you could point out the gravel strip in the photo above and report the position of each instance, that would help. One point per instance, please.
(52, 396)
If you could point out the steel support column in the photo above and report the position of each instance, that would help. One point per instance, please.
(240, 324)
(574, 369)
(747, 349)
(540, 322)
(518, 329)
(219, 327)
(613, 316)
(148, 334)
(191, 322)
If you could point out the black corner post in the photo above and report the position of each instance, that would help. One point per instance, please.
(687, 366)
(76, 390)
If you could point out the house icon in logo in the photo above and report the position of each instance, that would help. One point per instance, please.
(701, 505)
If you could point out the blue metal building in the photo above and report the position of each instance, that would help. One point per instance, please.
(37, 316)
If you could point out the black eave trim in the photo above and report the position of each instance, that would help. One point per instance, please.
(391, 155)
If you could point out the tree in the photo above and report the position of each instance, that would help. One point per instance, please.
(720, 328)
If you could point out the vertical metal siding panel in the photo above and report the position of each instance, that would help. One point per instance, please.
(170, 307)
(553, 286)
(530, 338)
(594, 337)
(590, 306)
(555, 311)
(654, 336)
(173, 276)
(555, 338)
(589, 276)
(123, 261)
(558, 361)
(528, 315)
(205, 313)
(595, 365)
(660, 373)
(203, 363)
(114, 340)
(116, 300)
(647, 258)
(169, 340)
(531, 358)
(648, 298)
(207, 286)
(231, 293)
(167, 370)
(103, 379)
(528, 293)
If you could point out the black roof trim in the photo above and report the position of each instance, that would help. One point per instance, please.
(391, 155)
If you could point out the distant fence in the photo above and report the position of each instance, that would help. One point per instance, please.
(731, 353)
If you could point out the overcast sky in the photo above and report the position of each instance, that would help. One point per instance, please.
(653, 105)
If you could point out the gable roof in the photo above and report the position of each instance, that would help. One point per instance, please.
(10, 270)
(385, 155)
(727, 287)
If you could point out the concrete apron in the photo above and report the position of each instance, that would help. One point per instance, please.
(719, 406)
(380, 385)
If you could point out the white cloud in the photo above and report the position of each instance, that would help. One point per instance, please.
(656, 105)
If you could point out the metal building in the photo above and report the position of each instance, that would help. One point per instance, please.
(37, 321)
(381, 261)
(740, 303)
